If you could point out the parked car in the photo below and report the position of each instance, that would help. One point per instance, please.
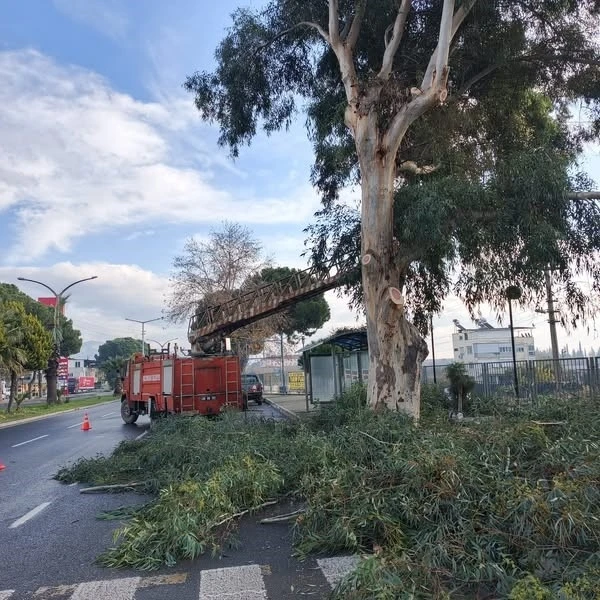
(252, 388)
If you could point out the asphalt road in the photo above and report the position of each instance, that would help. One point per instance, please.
(50, 537)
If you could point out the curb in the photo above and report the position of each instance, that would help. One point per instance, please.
(55, 414)
(284, 411)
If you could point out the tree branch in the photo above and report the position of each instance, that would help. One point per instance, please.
(392, 46)
(334, 24)
(457, 20)
(285, 32)
(359, 13)
(436, 76)
(584, 195)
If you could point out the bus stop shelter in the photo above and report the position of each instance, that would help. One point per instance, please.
(333, 364)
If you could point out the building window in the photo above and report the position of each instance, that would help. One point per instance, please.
(520, 349)
(469, 349)
(466, 336)
(504, 349)
(77, 364)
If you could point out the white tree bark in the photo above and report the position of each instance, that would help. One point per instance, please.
(396, 349)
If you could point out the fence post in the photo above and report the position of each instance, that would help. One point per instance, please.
(533, 380)
(485, 379)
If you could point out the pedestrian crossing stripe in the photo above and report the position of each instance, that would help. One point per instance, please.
(244, 582)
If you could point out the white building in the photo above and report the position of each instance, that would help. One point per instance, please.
(82, 367)
(491, 344)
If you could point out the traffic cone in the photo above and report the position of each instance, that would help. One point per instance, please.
(85, 426)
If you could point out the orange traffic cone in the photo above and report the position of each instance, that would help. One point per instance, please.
(85, 426)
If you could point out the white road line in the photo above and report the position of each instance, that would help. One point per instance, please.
(139, 437)
(115, 589)
(337, 567)
(32, 513)
(29, 441)
(233, 583)
(108, 415)
(6, 594)
(76, 425)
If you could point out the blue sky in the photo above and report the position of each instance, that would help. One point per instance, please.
(106, 167)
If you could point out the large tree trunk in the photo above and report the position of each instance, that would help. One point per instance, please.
(13, 390)
(396, 349)
(52, 380)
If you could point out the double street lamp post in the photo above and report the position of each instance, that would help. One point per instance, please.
(51, 372)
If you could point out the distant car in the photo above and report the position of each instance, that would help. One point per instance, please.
(252, 388)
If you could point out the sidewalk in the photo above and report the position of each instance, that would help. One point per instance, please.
(291, 405)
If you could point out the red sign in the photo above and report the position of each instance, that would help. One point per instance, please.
(86, 383)
(63, 367)
(51, 302)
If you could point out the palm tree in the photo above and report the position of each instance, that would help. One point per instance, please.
(461, 383)
(114, 369)
(12, 357)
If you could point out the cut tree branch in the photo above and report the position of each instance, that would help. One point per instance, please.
(436, 77)
(392, 46)
(457, 20)
(443, 45)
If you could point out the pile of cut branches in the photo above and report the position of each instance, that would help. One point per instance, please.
(509, 507)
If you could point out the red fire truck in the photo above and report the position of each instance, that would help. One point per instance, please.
(209, 380)
(163, 383)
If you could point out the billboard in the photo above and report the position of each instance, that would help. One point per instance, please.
(86, 383)
(296, 381)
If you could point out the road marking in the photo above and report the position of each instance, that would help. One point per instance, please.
(336, 568)
(47, 592)
(108, 415)
(76, 425)
(115, 589)
(32, 513)
(6, 594)
(29, 441)
(233, 583)
(139, 437)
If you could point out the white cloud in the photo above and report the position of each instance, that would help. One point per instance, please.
(103, 15)
(81, 158)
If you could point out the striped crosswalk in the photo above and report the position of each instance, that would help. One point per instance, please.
(244, 582)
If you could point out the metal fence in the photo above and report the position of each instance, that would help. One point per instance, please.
(567, 376)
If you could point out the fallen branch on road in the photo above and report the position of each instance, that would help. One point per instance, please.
(283, 518)
(114, 487)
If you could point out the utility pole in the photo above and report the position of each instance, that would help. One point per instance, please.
(143, 323)
(513, 292)
(551, 311)
(283, 386)
(432, 349)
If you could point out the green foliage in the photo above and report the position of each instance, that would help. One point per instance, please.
(70, 338)
(461, 383)
(439, 507)
(494, 204)
(120, 349)
(114, 369)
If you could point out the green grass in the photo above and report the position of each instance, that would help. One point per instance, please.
(26, 412)
(504, 508)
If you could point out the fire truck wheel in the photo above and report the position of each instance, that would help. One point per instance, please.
(127, 414)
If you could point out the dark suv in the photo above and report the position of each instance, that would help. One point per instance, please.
(252, 388)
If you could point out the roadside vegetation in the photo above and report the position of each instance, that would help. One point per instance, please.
(506, 506)
(26, 411)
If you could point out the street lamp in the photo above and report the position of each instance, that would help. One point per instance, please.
(52, 372)
(513, 292)
(164, 344)
(143, 323)
(58, 296)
